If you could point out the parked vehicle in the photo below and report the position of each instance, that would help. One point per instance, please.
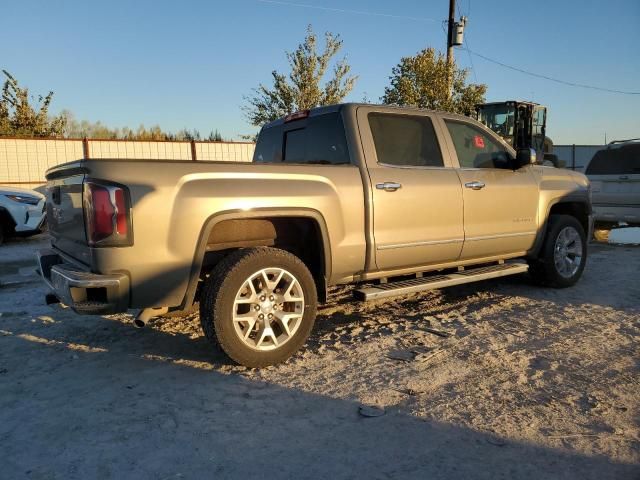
(342, 194)
(615, 179)
(522, 125)
(22, 212)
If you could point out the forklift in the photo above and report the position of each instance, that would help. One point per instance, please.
(522, 125)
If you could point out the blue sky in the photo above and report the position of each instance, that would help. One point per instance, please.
(189, 64)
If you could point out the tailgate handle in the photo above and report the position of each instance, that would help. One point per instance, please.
(388, 186)
(474, 185)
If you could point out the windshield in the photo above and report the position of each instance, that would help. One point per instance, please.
(500, 119)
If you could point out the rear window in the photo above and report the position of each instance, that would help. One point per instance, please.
(269, 146)
(318, 139)
(624, 160)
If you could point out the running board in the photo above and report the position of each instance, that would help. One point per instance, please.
(414, 285)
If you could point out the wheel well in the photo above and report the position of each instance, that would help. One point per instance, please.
(6, 221)
(578, 210)
(300, 236)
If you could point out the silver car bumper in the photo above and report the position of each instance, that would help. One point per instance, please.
(83, 291)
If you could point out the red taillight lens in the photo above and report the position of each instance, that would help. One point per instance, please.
(102, 214)
(107, 218)
(122, 222)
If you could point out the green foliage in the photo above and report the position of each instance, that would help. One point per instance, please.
(86, 129)
(301, 88)
(215, 136)
(422, 81)
(18, 116)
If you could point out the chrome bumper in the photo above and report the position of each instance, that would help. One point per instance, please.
(83, 291)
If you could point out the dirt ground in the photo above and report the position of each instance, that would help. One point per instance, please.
(497, 380)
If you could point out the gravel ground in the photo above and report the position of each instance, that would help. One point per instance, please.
(494, 380)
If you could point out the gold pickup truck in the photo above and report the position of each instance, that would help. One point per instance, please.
(394, 200)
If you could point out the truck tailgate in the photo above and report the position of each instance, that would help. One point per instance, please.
(65, 211)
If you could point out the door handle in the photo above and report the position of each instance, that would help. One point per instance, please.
(388, 186)
(474, 185)
(623, 177)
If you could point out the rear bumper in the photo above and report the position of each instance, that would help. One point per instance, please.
(83, 291)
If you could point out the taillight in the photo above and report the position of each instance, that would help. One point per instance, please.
(107, 215)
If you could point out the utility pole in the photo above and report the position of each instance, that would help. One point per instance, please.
(451, 23)
(455, 37)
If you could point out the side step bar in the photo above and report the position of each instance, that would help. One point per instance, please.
(405, 287)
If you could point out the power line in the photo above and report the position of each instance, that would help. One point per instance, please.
(552, 79)
(471, 52)
(342, 10)
(466, 43)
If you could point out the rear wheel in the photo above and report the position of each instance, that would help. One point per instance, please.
(260, 305)
(563, 255)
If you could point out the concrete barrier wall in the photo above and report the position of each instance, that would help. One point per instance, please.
(23, 162)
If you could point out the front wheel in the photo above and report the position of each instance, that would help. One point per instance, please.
(260, 305)
(563, 255)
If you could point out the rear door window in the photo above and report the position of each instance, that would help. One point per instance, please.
(476, 148)
(405, 140)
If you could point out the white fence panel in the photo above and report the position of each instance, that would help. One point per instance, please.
(118, 149)
(23, 162)
(225, 152)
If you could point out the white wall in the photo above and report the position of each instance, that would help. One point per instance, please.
(23, 162)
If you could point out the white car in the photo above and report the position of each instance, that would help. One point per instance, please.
(22, 212)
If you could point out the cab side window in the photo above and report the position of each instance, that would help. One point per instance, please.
(475, 148)
(405, 140)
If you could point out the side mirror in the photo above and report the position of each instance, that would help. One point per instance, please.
(526, 156)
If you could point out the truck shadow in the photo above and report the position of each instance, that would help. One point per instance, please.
(85, 397)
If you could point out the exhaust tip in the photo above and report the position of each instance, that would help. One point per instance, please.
(147, 314)
(139, 323)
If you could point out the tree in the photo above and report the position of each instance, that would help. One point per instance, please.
(421, 81)
(215, 136)
(301, 89)
(19, 117)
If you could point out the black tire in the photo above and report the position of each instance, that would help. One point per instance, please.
(219, 294)
(2, 232)
(544, 270)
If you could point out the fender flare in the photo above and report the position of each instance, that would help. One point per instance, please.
(256, 213)
(542, 232)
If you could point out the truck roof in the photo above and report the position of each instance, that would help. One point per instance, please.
(339, 106)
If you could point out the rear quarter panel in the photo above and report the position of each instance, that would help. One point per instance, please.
(174, 204)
